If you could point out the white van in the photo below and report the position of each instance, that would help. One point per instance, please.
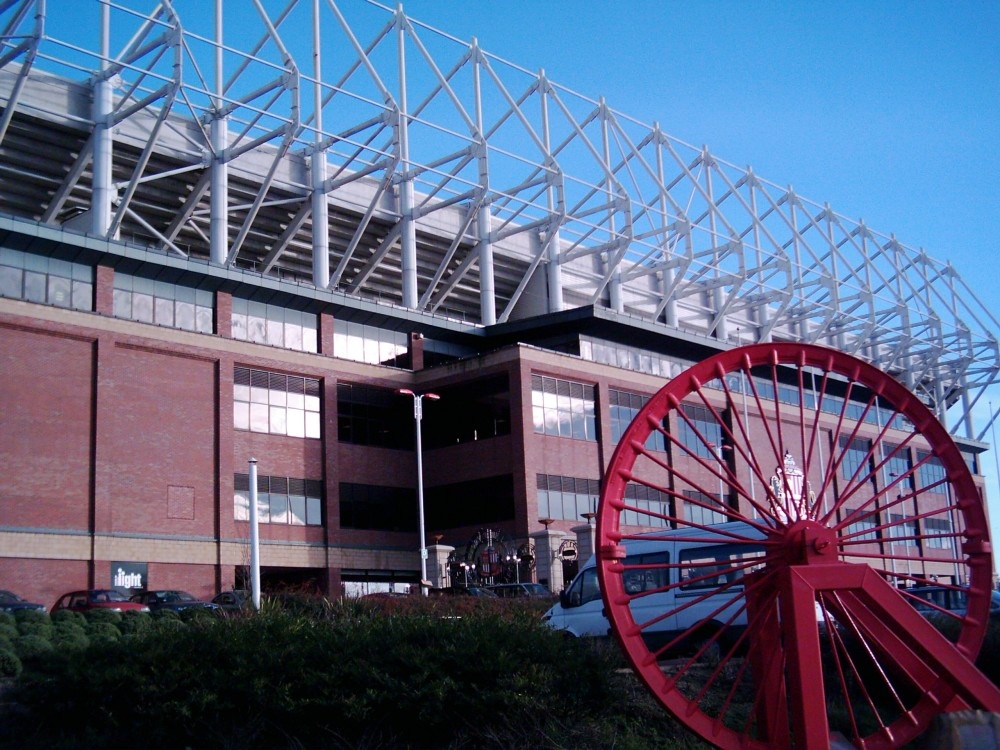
(689, 566)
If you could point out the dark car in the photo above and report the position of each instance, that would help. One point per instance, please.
(84, 601)
(535, 590)
(11, 602)
(234, 600)
(171, 599)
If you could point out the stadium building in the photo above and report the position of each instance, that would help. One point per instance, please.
(227, 237)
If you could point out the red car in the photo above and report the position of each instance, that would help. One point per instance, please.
(83, 601)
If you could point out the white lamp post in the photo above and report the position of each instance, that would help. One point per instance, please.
(418, 413)
(254, 538)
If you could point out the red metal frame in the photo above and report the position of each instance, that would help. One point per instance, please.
(872, 654)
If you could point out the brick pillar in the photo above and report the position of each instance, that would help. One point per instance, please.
(326, 334)
(104, 290)
(224, 314)
(416, 351)
(585, 536)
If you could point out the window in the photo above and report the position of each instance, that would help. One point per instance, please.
(629, 357)
(901, 527)
(932, 473)
(274, 325)
(376, 346)
(48, 281)
(623, 408)
(374, 416)
(563, 408)
(656, 507)
(275, 403)
(644, 573)
(855, 457)
(862, 529)
(163, 303)
(718, 564)
(280, 500)
(704, 422)
(938, 533)
(897, 466)
(700, 514)
(364, 506)
(567, 498)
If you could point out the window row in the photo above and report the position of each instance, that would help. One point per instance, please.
(280, 500)
(567, 498)
(163, 303)
(563, 408)
(276, 403)
(274, 325)
(46, 281)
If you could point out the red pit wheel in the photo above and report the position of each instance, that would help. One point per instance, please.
(847, 592)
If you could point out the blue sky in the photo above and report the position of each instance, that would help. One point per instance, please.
(889, 111)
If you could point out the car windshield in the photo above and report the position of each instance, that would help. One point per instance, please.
(9, 596)
(109, 596)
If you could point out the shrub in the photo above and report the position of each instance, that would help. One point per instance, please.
(31, 646)
(166, 614)
(31, 615)
(68, 615)
(6, 618)
(103, 615)
(133, 622)
(199, 614)
(41, 628)
(8, 630)
(102, 631)
(70, 638)
(10, 664)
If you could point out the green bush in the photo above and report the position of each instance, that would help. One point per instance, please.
(103, 615)
(31, 615)
(9, 629)
(68, 615)
(133, 622)
(31, 646)
(102, 631)
(70, 638)
(166, 614)
(41, 628)
(6, 618)
(10, 664)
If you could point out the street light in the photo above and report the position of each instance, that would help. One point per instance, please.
(418, 413)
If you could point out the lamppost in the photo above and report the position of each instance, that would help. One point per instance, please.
(516, 561)
(418, 413)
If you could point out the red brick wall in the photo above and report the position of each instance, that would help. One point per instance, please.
(158, 446)
(45, 429)
(43, 581)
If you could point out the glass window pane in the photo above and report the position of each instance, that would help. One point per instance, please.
(277, 420)
(59, 291)
(241, 416)
(142, 307)
(83, 295)
(293, 336)
(263, 507)
(314, 513)
(275, 333)
(278, 397)
(297, 510)
(34, 286)
(279, 509)
(164, 311)
(185, 315)
(241, 507)
(122, 303)
(256, 330)
(296, 422)
(205, 319)
(309, 340)
(312, 425)
(10, 282)
(258, 417)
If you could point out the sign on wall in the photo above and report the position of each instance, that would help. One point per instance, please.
(128, 577)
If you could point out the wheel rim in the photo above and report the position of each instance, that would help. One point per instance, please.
(815, 611)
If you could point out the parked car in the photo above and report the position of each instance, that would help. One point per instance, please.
(11, 602)
(171, 599)
(84, 601)
(535, 590)
(235, 600)
(933, 601)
